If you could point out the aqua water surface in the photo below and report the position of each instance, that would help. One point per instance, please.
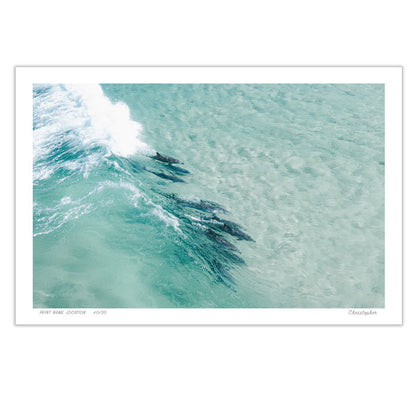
(279, 201)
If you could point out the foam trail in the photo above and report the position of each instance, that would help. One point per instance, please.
(89, 115)
(109, 123)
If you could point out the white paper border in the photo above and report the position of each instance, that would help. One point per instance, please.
(390, 76)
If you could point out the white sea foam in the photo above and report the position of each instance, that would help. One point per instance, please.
(85, 113)
(169, 219)
(135, 196)
(58, 219)
(65, 200)
(42, 172)
(108, 123)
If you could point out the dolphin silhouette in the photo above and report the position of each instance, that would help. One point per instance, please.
(165, 176)
(220, 240)
(166, 159)
(198, 204)
(231, 228)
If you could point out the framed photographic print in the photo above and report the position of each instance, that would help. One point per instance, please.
(208, 195)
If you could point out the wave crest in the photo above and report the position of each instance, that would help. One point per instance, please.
(85, 108)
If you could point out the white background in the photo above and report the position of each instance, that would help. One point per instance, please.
(206, 370)
(391, 77)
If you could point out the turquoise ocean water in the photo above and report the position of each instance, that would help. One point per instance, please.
(279, 201)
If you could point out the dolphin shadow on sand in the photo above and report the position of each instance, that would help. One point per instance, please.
(212, 233)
